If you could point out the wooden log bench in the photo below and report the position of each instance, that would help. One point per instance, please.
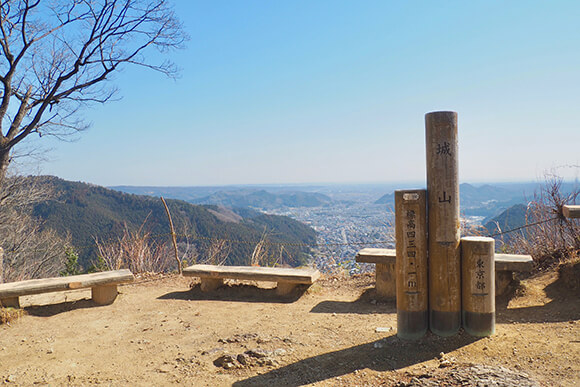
(505, 266)
(212, 276)
(103, 286)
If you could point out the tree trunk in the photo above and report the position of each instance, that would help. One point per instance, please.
(4, 162)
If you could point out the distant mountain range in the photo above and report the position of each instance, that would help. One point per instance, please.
(486, 200)
(87, 211)
(236, 197)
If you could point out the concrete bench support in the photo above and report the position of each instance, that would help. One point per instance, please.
(104, 295)
(385, 270)
(212, 276)
(505, 266)
(103, 286)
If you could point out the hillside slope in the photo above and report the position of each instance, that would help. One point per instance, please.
(87, 211)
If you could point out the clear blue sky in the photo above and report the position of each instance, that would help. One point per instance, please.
(336, 91)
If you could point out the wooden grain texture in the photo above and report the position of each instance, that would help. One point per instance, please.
(444, 222)
(411, 263)
(47, 285)
(254, 273)
(571, 211)
(372, 255)
(478, 285)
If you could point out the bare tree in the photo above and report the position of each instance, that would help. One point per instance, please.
(57, 55)
(30, 250)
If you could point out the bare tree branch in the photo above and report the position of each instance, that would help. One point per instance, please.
(57, 56)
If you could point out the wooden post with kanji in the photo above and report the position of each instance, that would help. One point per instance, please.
(444, 223)
(478, 285)
(411, 263)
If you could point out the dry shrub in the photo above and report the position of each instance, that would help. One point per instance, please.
(8, 315)
(217, 253)
(136, 251)
(551, 238)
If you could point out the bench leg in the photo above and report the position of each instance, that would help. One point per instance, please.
(104, 295)
(385, 283)
(503, 279)
(11, 302)
(285, 288)
(209, 284)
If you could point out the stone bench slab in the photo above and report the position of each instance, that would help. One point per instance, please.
(212, 276)
(103, 285)
(505, 266)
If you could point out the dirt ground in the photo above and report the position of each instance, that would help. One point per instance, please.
(161, 332)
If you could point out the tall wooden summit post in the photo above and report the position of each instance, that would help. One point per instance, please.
(444, 224)
(411, 263)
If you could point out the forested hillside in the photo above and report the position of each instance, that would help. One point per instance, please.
(86, 212)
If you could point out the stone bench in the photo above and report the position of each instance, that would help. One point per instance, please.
(505, 266)
(212, 276)
(385, 269)
(103, 286)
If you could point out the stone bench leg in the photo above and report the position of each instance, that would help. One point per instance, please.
(285, 288)
(385, 283)
(503, 279)
(209, 284)
(11, 302)
(104, 295)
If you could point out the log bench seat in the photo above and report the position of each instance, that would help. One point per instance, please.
(505, 266)
(212, 276)
(103, 286)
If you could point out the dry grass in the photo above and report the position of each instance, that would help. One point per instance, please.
(8, 315)
(552, 239)
(136, 251)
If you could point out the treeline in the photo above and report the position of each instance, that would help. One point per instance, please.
(84, 212)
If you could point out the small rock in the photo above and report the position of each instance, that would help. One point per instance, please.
(10, 379)
(445, 363)
(334, 314)
(212, 351)
(257, 353)
(49, 351)
(280, 352)
(378, 344)
(441, 355)
(243, 359)
(225, 361)
(383, 329)
(374, 302)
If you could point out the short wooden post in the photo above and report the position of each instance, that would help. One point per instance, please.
(443, 215)
(478, 285)
(411, 263)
